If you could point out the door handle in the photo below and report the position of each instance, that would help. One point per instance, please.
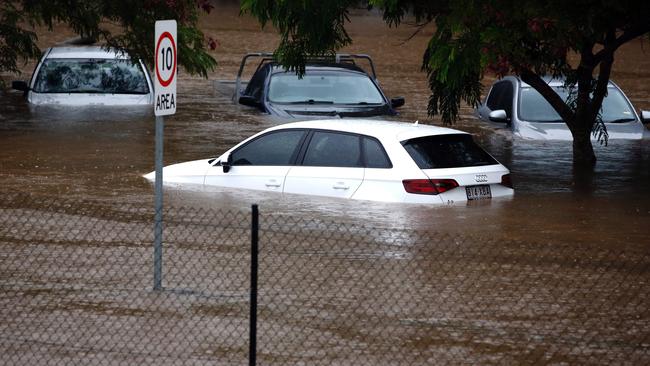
(341, 185)
(273, 184)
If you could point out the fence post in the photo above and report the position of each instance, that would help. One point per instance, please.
(158, 203)
(252, 350)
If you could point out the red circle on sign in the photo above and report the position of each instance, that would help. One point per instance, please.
(171, 77)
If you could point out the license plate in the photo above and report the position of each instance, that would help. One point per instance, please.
(478, 192)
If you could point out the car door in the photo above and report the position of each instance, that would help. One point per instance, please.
(330, 166)
(261, 163)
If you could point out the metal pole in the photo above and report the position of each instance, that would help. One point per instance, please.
(252, 351)
(158, 203)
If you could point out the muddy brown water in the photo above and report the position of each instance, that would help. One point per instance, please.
(99, 154)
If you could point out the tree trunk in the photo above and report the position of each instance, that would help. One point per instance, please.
(583, 151)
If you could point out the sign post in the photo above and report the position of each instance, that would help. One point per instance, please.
(166, 61)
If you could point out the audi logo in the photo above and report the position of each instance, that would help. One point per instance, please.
(481, 178)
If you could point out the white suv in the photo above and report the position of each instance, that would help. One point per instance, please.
(88, 75)
(359, 159)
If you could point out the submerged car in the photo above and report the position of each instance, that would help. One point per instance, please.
(358, 159)
(336, 87)
(511, 101)
(88, 75)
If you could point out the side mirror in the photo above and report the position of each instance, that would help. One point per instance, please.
(20, 85)
(397, 102)
(645, 117)
(249, 101)
(498, 116)
(226, 163)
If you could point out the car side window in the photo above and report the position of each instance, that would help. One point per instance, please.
(374, 154)
(494, 96)
(255, 85)
(501, 97)
(333, 149)
(506, 98)
(274, 148)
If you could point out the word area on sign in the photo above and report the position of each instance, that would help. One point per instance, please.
(165, 102)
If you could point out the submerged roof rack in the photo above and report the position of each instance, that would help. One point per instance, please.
(266, 57)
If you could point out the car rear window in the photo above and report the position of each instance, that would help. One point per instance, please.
(91, 76)
(447, 151)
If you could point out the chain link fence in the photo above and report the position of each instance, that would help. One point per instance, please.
(76, 287)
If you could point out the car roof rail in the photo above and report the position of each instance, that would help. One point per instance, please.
(266, 57)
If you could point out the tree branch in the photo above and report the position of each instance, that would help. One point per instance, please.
(419, 26)
(604, 71)
(628, 35)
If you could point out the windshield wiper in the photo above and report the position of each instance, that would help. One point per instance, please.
(627, 119)
(312, 101)
(363, 103)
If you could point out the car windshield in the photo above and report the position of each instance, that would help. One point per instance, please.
(91, 76)
(534, 108)
(324, 87)
(447, 151)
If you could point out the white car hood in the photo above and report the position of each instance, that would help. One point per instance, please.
(85, 99)
(559, 131)
(188, 172)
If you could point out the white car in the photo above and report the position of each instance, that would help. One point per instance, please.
(358, 159)
(87, 75)
(516, 104)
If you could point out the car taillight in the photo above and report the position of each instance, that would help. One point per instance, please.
(429, 186)
(506, 180)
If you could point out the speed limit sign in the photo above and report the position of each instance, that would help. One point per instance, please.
(166, 58)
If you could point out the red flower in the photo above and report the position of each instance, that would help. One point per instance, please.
(213, 43)
(205, 5)
(534, 25)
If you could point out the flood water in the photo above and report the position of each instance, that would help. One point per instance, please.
(100, 153)
(557, 274)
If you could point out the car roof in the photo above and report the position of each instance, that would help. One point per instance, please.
(552, 81)
(380, 129)
(96, 52)
(320, 66)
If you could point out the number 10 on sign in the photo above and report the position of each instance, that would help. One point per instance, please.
(166, 62)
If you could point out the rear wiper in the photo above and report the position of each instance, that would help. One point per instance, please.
(312, 101)
(363, 103)
(627, 119)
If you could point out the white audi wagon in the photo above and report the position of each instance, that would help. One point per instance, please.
(358, 159)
